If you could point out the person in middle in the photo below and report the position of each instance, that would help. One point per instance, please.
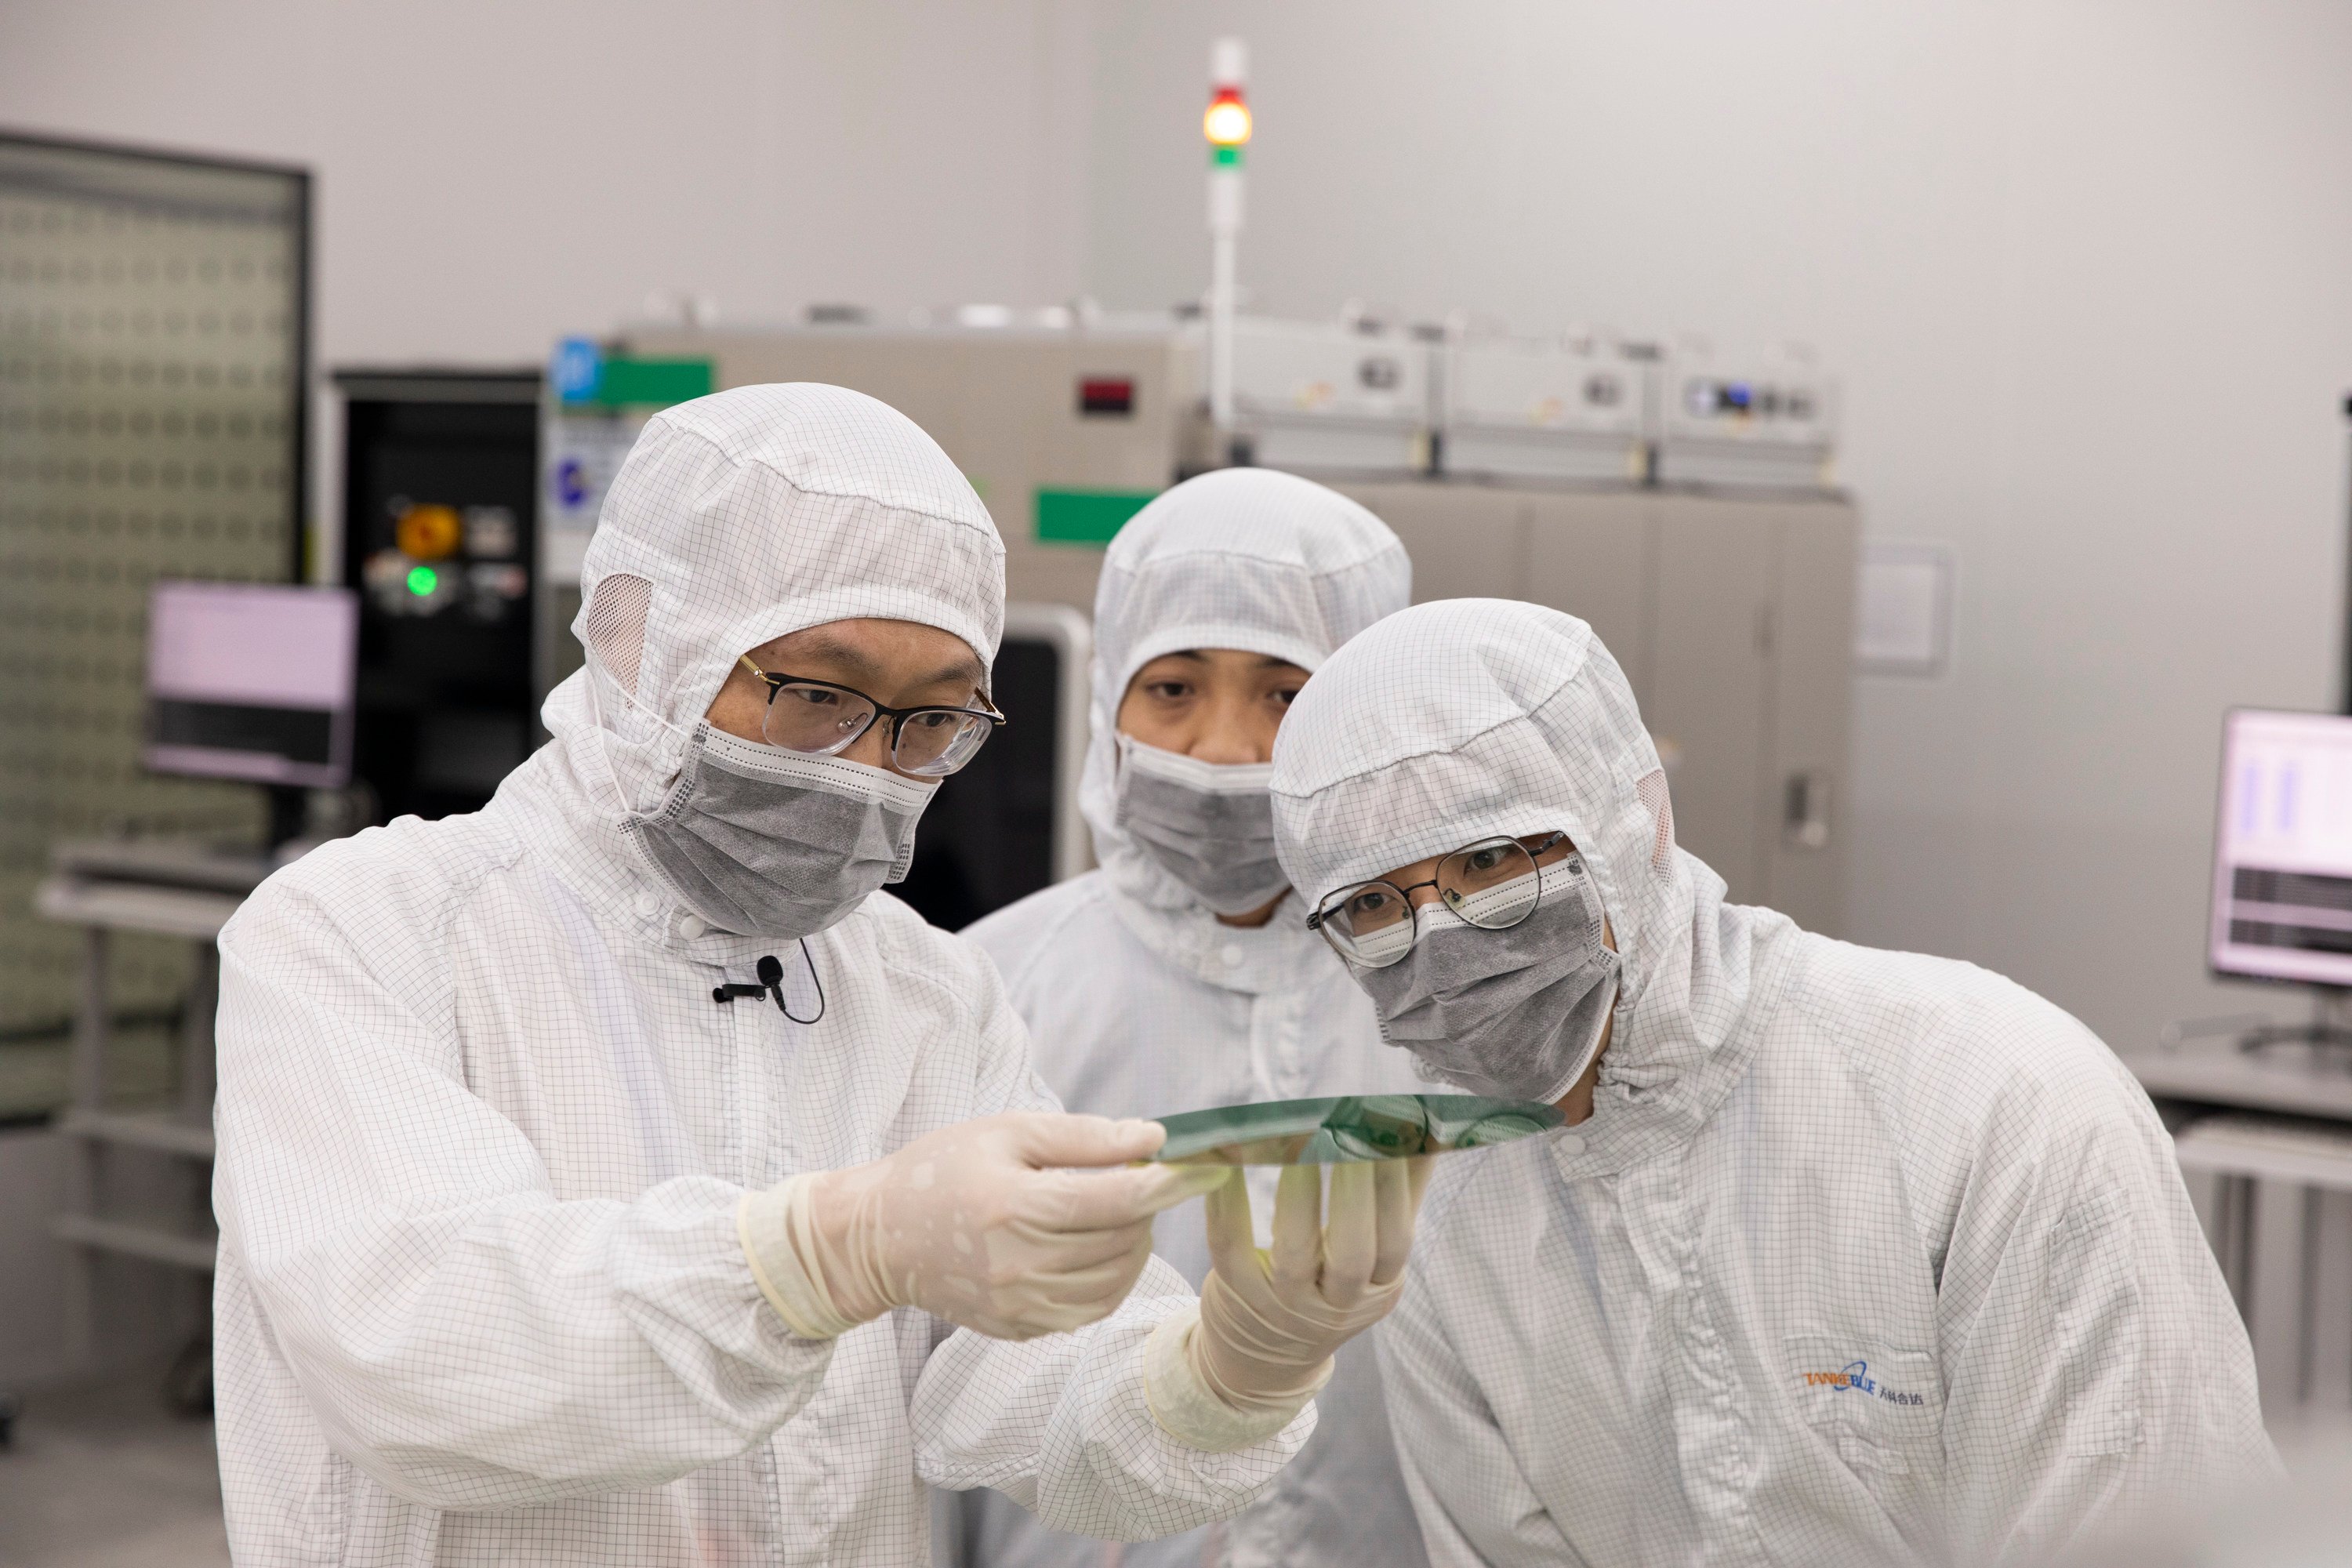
(1181, 973)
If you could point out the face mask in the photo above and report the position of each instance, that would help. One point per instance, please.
(765, 842)
(1518, 1013)
(1210, 825)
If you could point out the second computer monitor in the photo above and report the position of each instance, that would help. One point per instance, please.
(251, 680)
(2283, 848)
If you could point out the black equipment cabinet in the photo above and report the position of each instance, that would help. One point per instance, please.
(441, 542)
(987, 839)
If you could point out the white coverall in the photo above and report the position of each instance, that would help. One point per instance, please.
(1862, 1258)
(483, 1130)
(1139, 1003)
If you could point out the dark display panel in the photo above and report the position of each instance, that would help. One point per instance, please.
(440, 535)
(987, 839)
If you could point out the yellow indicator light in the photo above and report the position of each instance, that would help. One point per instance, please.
(1227, 123)
(429, 532)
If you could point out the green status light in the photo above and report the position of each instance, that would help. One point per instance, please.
(423, 580)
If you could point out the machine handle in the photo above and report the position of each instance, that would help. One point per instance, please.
(1805, 810)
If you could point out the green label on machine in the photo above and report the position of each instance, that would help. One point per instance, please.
(1086, 516)
(645, 383)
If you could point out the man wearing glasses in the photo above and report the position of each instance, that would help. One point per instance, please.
(1844, 1256)
(617, 1176)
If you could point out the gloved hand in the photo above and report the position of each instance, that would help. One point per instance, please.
(1269, 1322)
(972, 1224)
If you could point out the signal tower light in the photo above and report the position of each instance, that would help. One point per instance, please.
(1226, 124)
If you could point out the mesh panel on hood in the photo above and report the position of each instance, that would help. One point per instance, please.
(1241, 558)
(750, 514)
(615, 629)
(1651, 788)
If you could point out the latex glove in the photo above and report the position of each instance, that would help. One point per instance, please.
(973, 1223)
(1269, 1322)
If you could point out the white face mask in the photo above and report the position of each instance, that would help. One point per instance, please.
(1210, 825)
(1516, 1012)
(765, 842)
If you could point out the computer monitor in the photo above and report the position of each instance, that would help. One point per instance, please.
(2283, 848)
(251, 680)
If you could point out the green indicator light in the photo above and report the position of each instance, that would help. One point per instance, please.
(423, 580)
(1225, 157)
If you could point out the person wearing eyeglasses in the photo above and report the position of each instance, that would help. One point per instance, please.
(619, 1174)
(1844, 1256)
(1181, 975)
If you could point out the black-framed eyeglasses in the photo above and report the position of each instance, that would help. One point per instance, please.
(825, 717)
(1493, 884)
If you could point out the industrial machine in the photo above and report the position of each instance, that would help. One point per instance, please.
(1766, 422)
(1336, 398)
(1573, 409)
(1730, 604)
(440, 545)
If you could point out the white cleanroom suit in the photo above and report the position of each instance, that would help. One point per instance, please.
(1140, 1002)
(484, 1133)
(1861, 1257)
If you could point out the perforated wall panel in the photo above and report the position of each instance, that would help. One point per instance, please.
(149, 367)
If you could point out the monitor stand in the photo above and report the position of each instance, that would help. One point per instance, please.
(2329, 1032)
(288, 814)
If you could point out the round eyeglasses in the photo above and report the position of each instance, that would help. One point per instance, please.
(1493, 884)
(823, 718)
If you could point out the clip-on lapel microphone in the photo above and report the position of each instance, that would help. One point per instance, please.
(770, 972)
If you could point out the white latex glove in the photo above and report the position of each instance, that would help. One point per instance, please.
(973, 1223)
(1269, 1322)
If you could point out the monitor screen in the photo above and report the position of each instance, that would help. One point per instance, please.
(251, 680)
(2283, 849)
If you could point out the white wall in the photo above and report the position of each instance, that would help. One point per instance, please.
(2085, 271)
(490, 176)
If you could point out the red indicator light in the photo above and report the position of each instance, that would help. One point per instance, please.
(1106, 394)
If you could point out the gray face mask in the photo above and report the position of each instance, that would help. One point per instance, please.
(1515, 1013)
(1210, 825)
(765, 842)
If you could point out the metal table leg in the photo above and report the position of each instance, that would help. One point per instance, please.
(86, 1086)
